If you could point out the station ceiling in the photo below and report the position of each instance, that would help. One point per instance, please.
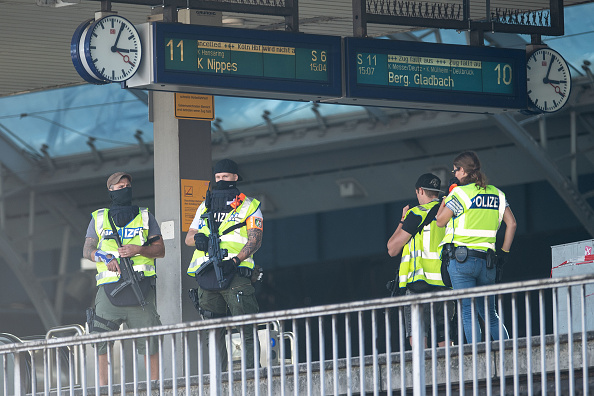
(36, 34)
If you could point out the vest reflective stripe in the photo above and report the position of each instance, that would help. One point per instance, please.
(421, 255)
(232, 237)
(138, 268)
(103, 228)
(233, 241)
(475, 228)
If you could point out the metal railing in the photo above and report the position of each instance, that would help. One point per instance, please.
(352, 348)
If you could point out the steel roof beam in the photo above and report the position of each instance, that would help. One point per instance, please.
(27, 278)
(564, 187)
(14, 159)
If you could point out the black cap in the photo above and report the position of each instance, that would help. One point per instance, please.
(227, 166)
(429, 181)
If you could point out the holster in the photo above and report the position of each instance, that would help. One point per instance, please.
(193, 293)
(447, 253)
(491, 259)
(92, 317)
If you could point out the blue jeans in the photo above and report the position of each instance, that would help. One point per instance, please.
(473, 272)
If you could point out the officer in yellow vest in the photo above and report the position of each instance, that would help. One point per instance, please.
(472, 214)
(141, 241)
(239, 223)
(418, 238)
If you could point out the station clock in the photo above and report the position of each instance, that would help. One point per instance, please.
(548, 81)
(108, 50)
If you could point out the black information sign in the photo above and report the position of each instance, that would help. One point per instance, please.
(435, 73)
(247, 60)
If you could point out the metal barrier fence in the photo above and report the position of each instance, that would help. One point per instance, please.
(352, 348)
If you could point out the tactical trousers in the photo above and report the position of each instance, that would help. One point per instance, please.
(240, 299)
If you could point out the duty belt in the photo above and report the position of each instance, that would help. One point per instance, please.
(476, 253)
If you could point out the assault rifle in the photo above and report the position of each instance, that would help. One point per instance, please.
(130, 277)
(215, 253)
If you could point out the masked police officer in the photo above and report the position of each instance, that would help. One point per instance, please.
(238, 223)
(141, 240)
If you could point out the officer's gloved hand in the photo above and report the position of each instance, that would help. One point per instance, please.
(201, 242)
(454, 182)
(502, 258)
(228, 266)
(244, 272)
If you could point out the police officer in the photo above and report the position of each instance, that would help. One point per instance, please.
(473, 212)
(141, 240)
(418, 238)
(238, 222)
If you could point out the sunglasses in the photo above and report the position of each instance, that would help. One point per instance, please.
(456, 170)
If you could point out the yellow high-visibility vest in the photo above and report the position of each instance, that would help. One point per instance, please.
(134, 233)
(421, 255)
(233, 241)
(481, 214)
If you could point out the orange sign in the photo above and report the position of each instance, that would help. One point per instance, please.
(193, 193)
(194, 107)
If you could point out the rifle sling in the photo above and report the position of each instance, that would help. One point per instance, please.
(428, 219)
(233, 228)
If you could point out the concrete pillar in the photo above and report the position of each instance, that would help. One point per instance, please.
(182, 151)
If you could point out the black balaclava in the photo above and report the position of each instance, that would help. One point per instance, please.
(223, 193)
(121, 210)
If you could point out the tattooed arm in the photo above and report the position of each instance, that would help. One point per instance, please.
(253, 244)
(90, 248)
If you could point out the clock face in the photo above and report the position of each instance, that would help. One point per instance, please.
(549, 80)
(112, 49)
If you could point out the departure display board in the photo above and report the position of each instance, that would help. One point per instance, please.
(244, 59)
(435, 73)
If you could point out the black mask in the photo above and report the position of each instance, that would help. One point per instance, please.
(219, 199)
(225, 185)
(121, 197)
(121, 209)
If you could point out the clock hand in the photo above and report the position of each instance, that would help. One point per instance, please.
(546, 79)
(121, 50)
(557, 89)
(114, 48)
(557, 82)
(126, 58)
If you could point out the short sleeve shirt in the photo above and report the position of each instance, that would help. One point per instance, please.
(411, 223)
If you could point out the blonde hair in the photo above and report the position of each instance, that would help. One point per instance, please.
(469, 161)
